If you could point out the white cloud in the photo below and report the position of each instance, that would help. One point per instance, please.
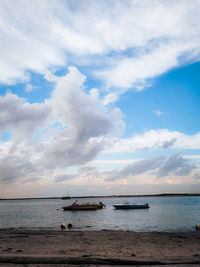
(160, 166)
(85, 120)
(173, 169)
(176, 165)
(153, 140)
(136, 168)
(134, 70)
(30, 87)
(94, 92)
(110, 98)
(120, 161)
(20, 116)
(128, 42)
(158, 112)
(86, 124)
(85, 127)
(192, 157)
(49, 76)
(188, 141)
(13, 168)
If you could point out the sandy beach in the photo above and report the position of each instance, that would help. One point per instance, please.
(98, 248)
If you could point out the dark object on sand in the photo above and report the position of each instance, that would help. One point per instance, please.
(69, 225)
(63, 226)
(198, 226)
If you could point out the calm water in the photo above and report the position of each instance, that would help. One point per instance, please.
(164, 214)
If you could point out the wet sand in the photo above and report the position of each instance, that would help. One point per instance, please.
(98, 248)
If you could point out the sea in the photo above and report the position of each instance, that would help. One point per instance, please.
(169, 214)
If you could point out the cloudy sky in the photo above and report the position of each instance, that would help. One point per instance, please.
(99, 97)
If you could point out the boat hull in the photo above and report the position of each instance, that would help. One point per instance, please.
(63, 198)
(131, 206)
(83, 207)
(79, 208)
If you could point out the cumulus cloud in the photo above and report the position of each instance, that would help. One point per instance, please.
(110, 98)
(75, 144)
(153, 140)
(160, 166)
(135, 168)
(12, 168)
(132, 71)
(176, 165)
(20, 116)
(85, 124)
(84, 115)
(126, 43)
(66, 130)
(172, 168)
(85, 119)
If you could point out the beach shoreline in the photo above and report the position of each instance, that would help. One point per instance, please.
(99, 247)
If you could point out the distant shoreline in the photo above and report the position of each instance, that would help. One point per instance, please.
(111, 196)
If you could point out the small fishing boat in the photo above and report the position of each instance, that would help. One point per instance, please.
(65, 197)
(127, 205)
(85, 206)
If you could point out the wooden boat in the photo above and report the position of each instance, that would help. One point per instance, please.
(85, 206)
(126, 205)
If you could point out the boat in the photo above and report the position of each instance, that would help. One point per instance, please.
(84, 206)
(65, 197)
(127, 205)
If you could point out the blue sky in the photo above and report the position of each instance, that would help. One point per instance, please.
(99, 98)
(175, 94)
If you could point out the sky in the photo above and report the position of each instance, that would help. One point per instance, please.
(99, 97)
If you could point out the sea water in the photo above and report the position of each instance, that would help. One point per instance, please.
(164, 214)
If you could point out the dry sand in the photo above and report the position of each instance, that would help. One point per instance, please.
(98, 248)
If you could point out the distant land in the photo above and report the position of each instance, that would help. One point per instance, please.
(111, 196)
